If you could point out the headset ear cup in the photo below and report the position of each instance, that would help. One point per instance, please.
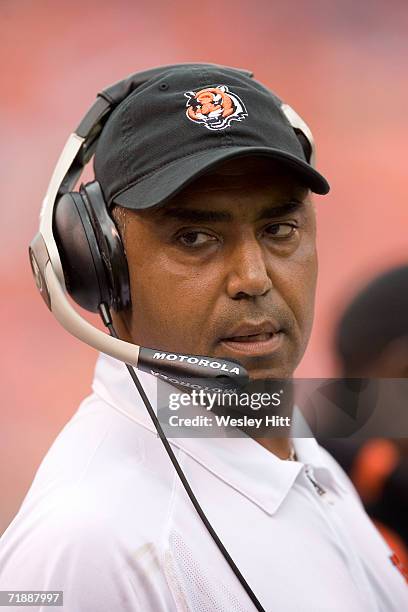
(110, 246)
(84, 273)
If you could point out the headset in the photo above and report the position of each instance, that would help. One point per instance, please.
(78, 252)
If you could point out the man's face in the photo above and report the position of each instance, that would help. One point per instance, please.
(227, 268)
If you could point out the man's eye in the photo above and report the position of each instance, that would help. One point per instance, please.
(281, 230)
(195, 239)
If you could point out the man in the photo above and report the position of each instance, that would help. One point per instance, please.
(211, 187)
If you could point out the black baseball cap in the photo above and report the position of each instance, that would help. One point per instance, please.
(178, 125)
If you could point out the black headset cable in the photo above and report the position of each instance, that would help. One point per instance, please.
(107, 320)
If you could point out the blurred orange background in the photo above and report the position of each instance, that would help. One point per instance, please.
(341, 64)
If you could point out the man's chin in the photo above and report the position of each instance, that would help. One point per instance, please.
(260, 367)
(269, 373)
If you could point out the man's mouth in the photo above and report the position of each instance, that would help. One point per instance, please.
(260, 339)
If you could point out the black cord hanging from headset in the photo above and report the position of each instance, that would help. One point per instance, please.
(107, 320)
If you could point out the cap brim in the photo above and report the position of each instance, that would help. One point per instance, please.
(166, 182)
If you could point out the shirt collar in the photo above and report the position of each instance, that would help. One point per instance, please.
(242, 463)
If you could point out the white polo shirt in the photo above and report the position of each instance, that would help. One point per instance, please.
(108, 522)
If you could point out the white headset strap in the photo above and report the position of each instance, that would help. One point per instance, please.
(68, 154)
(53, 275)
(297, 122)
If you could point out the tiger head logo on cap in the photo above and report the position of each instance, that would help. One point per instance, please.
(215, 107)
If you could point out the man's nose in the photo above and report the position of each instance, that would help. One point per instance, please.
(248, 274)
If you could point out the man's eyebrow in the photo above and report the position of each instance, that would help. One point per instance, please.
(192, 215)
(279, 211)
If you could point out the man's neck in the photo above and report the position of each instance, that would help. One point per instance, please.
(281, 447)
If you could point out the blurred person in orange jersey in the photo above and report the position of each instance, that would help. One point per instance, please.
(372, 342)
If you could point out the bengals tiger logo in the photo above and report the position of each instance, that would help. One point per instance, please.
(215, 107)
